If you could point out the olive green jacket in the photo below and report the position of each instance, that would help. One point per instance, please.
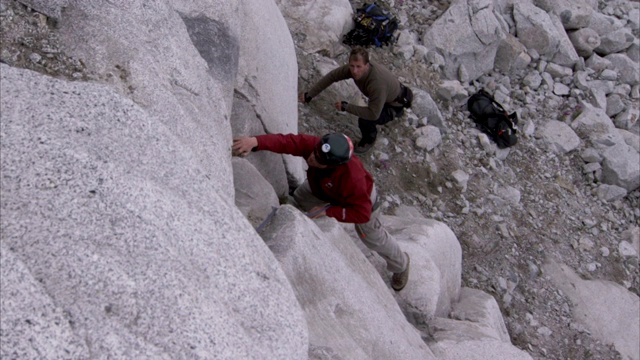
(379, 85)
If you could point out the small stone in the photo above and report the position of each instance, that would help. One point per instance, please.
(502, 282)
(544, 331)
(35, 57)
(533, 270)
(561, 89)
(586, 244)
(626, 249)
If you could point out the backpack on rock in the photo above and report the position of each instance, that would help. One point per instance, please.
(492, 119)
(374, 26)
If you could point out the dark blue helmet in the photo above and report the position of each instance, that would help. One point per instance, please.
(333, 149)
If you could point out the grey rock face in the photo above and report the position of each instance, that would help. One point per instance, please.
(620, 327)
(482, 308)
(115, 217)
(348, 307)
(435, 265)
(167, 65)
(558, 71)
(245, 122)
(633, 51)
(51, 8)
(217, 46)
(196, 95)
(466, 38)
(532, 80)
(597, 63)
(254, 195)
(33, 325)
(630, 138)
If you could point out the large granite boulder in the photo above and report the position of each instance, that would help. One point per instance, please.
(28, 312)
(476, 330)
(467, 35)
(266, 78)
(436, 258)
(129, 243)
(350, 311)
(544, 33)
(609, 312)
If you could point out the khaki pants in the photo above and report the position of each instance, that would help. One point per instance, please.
(372, 233)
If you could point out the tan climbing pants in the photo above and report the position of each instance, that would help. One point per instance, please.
(372, 233)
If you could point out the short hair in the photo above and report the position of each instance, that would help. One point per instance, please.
(359, 53)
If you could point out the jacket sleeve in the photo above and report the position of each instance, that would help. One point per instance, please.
(335, 75)
(356, 206)
(293, 144)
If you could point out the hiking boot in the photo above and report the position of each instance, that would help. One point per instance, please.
(399, 280)
(364, 147)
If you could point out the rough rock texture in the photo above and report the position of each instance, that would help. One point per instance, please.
(168, 196)
(29, 312)
(114, 218)
(331, 19)
(622, 308)
(467, 38)
(347, 305)
(517, 206)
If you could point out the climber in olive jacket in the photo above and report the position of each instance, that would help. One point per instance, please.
(387, 97)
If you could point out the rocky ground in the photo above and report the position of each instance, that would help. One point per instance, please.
(504, 246)
(557, 213)
(518, 210)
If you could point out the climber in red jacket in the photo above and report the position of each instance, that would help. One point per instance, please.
(337, 186)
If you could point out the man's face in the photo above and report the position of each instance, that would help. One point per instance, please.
(311, 161)
(358, 68)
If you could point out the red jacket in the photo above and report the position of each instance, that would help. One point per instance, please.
(346, 187)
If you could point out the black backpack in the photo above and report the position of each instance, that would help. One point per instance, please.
(492, 119)
(374, 26)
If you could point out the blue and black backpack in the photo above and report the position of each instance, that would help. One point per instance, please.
(374, 26)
